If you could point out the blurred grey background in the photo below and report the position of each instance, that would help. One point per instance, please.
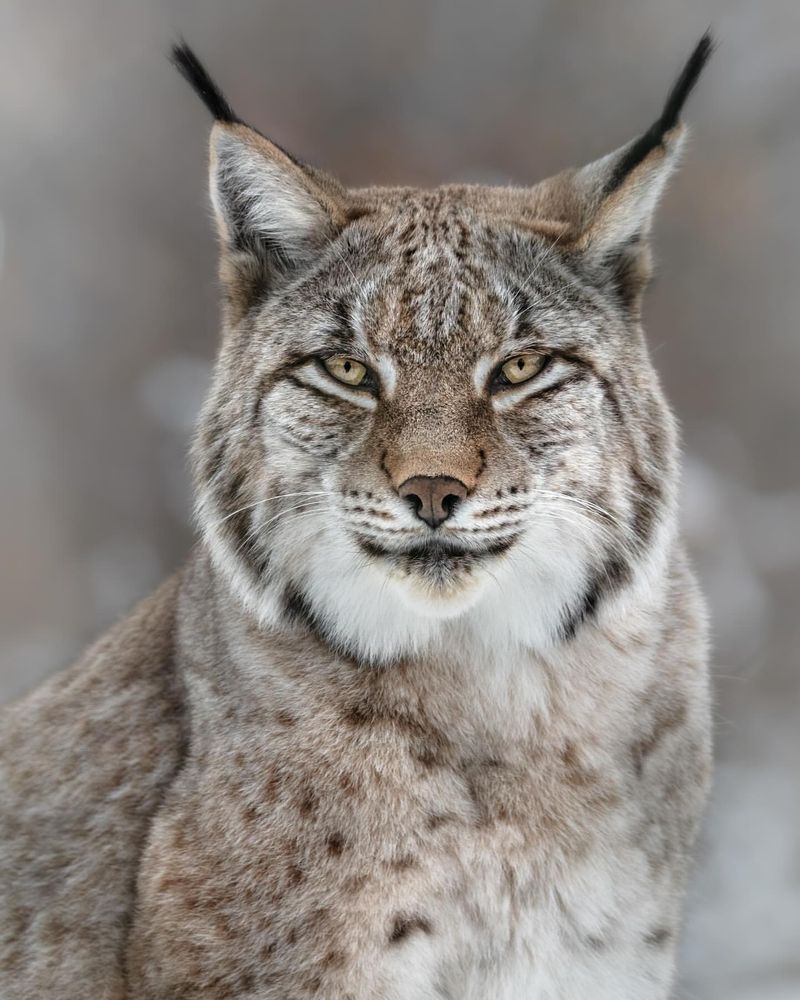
(108, 318)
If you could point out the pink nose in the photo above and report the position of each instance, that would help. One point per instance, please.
(433, 498)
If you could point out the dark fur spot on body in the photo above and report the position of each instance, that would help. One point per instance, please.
(668, 717)
(404, 926)
(295, 874)
(574, 771)
(250, 813)
(437, 820)
(335, 844)
(270, 788)
(404, 862)
(267, 950)
(426, 743)
(428, 753)
(333, 959)
(246, 982)
(362, 713)
(308, 803)
(658, 937)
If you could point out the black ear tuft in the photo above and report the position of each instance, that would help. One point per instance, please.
(684, 85)
(191, 69)
(654, 136)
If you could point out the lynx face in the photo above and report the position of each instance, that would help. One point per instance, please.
(430, 403)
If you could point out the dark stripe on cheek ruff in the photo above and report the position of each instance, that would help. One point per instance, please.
(612, 575)
(296, 607)
(602, 380)
(647, 501)
(239, 526)
(297, 611)
(228, 496)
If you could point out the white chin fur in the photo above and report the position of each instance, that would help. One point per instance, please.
(439, 602)
(381, 614)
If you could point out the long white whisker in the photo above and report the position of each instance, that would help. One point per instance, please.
(610, 540)
(545, 258)
(623, 539)
(256, 529)
(579, 501)
(346, 263)
(277, 496)
(317, 505)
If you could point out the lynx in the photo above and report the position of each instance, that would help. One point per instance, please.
(425, 715)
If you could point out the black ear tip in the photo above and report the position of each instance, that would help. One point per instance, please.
(654, 136)
(685, 83)
(193, 71)
(705, 46)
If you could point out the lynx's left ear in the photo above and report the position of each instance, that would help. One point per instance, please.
(274, 214)
(604, 211)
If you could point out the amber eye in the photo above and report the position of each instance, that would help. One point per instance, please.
(521, 368)
(346, 370)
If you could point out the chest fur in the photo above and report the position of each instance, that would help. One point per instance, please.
(379, 860)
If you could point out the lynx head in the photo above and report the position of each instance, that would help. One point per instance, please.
(434, 411)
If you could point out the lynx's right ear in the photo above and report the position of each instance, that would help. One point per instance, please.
(603, 211)
(274, 214)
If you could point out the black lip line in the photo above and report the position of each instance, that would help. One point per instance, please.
(433, 549)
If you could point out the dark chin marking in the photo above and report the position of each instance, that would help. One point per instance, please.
(614, 573)
(432, 552)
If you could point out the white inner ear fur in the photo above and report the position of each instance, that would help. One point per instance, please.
(250, 188)
(628, 211)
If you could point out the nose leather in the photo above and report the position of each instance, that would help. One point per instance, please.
(433, 498)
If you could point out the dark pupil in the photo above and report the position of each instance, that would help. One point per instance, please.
(347, 366)
(520, 364)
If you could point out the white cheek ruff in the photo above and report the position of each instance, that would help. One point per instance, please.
(517, 600)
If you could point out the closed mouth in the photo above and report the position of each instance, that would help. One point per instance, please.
(435, 554)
